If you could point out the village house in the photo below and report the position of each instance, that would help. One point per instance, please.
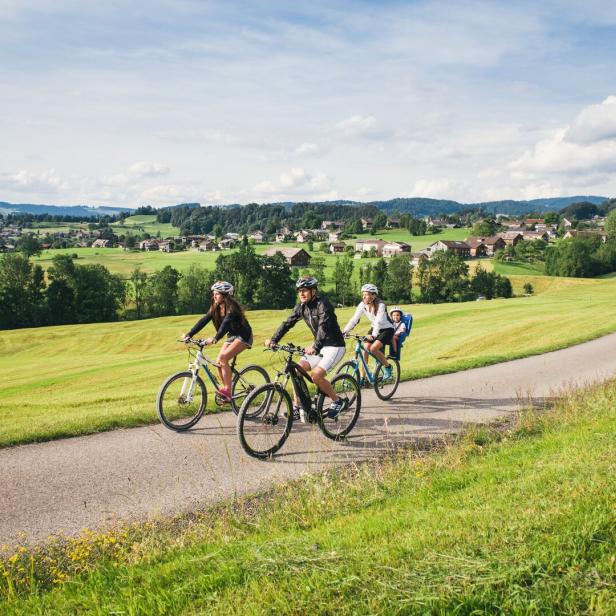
(418, 257)
(567, 224)
(164, 246)
(258, 237)
(335, 236)
(206, 245)
(462, 249)
(148, 245)
(586, 233)
(296, 257)
(332, 225)
(368, 245)
(485, 246)
(511, 238)
(395, 248)
(302, 236)
(337, 247)
(227, 243)
(536, 235)
(393, 223)
(366, 223)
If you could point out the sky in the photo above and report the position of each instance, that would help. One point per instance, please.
(170, 101)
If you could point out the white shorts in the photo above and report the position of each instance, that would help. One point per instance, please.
(330, 357)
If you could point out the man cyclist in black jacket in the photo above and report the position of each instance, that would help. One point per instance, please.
(328, 347)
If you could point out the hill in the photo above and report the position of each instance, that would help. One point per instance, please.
(85, 211)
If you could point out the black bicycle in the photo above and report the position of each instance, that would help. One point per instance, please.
(182, 397)
(266, 416)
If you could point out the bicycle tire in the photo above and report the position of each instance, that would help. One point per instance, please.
(238, 388)
(385, 389)
(348, 367)
(174, 413)
(338, 428)
(262, 435)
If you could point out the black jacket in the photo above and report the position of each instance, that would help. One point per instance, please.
(232, 324)
(321, 319)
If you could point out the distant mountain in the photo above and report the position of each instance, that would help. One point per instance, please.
(419, 206)
(85, 211)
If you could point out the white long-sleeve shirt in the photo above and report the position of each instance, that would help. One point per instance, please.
(380, 320)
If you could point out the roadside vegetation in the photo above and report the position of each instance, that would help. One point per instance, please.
(78, 379)
(513, 518)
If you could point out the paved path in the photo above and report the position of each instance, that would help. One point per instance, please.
(91, 481)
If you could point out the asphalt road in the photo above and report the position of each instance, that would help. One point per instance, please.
(94, 481)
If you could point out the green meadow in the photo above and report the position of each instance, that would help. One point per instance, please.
(77, 379)
(516, 518)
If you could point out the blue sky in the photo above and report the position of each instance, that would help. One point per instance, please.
(168, 101)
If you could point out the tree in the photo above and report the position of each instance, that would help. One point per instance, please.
(28, 245)
(573, 257)
(161, 295)
(443, 278)
(139, 282)
(379, 273)
(610, 225)
(317, 265)
(398, 281)
(130, 241)
(417, 226)
(194, 290)
(21, 292)
(217, 231)
(365, 273)
(343, 286)
(275, 288)
(484, 228)
(550, 218)
(528, 288)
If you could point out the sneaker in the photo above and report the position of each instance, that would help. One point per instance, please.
(297, 414)
(335, 408)
(387, 373)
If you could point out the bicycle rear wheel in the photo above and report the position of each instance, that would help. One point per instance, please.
(347, 388)
(263, 433)
(245, 381)
(384, 387)
(180, 402)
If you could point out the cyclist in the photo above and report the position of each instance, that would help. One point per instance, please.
(382, 328)
(328, 347)
(228, 318)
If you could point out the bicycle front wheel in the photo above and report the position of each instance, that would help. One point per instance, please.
(385, 384)
(245, 381)
(181, 401)
(348, 389)
(263, 433)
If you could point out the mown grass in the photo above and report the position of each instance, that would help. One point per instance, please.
(510, 519)
(79, 379)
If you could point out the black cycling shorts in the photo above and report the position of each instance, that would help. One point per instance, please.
(385, 336)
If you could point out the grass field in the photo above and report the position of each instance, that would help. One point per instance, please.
(145, 224)
(516, 520)
(77, 379)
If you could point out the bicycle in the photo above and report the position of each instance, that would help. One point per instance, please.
(385, 387)
(182, 397)
(266, 416)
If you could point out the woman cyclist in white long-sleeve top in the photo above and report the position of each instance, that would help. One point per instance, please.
(382, 328)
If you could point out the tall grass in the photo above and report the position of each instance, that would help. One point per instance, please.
(515, 519)
(77, 379)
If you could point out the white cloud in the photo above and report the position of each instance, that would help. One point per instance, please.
(594, 123)
(145, 169)
(307, 149)
(31, 182)
(584, 151)
(357, 126)
(297, 183)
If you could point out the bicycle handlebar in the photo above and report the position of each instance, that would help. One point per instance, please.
(362, 338)
(290, 348)
(200, 342)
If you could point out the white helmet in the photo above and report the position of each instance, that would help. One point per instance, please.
(222, 286)
(370, 288)
(396, 309)
(307, 282)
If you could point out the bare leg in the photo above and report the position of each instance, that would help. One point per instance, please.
(228, 352)
(375, 348)
(318, 376)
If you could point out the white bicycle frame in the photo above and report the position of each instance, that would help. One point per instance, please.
(200, 361)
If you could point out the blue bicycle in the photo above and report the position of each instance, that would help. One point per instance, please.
(371, 372)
